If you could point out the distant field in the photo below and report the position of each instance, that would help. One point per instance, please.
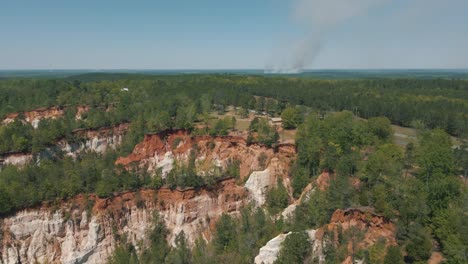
(403, 135)
(242, 124)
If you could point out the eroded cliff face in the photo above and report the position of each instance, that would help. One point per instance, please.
(371, 226)
(33, 117)
(374, 227)
(97, 140)
(159, 151)
(269, 253)
(260, 165)
(86, 229)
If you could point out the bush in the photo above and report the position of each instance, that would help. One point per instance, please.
(294, 249)
(291, 117)
(277, 198)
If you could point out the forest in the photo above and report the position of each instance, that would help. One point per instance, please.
(343, 128)
(434, 103)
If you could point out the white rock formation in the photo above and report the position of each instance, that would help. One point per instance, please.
(161, 162)
(257, 185)
(96, 144)
(288, 212)
(270, 252)
(74, 235)
(17, 159)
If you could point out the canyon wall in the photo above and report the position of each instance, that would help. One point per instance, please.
(86, 229)
(372, 227)
(259, 166)
(33, 117)
(97, 140)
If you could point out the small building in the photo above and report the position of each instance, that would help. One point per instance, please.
(277, 121)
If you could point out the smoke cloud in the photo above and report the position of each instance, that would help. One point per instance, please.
(316, 18)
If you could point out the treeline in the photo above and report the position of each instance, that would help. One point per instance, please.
(434, 103)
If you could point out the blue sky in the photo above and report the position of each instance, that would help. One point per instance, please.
(241, 34)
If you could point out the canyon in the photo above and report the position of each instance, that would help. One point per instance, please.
(86, 229)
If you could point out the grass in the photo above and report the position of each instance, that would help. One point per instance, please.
(403, 135)
(287, 135)
(242, 124)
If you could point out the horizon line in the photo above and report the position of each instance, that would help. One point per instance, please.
(220, 69)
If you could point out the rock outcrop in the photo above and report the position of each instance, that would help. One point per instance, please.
(97, 140)
(160, 149)
(16, 159)
(86, 229)
(258, 184)
(260, 164)
(33, 117)
(373, 227)
(365, 219)
(269, 253)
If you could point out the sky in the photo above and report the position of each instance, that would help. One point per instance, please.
(241, 34)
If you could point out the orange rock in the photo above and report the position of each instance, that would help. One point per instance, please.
(212, 151)
(373, 226)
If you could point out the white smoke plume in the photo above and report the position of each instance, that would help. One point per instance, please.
(317, 18)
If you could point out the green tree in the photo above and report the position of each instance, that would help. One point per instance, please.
(451, 228)
(381, 127)
(158, 249)
(277, 198)
(434, 153)
(260, 104)
(160, 121)
(377, 252)
(291, 118)
(294, 249)
(300, 180)
(409, 157)
(419, 244)
(393, 256)
(387, 161)
(124, 255)
(225, 235)
(180, 254)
